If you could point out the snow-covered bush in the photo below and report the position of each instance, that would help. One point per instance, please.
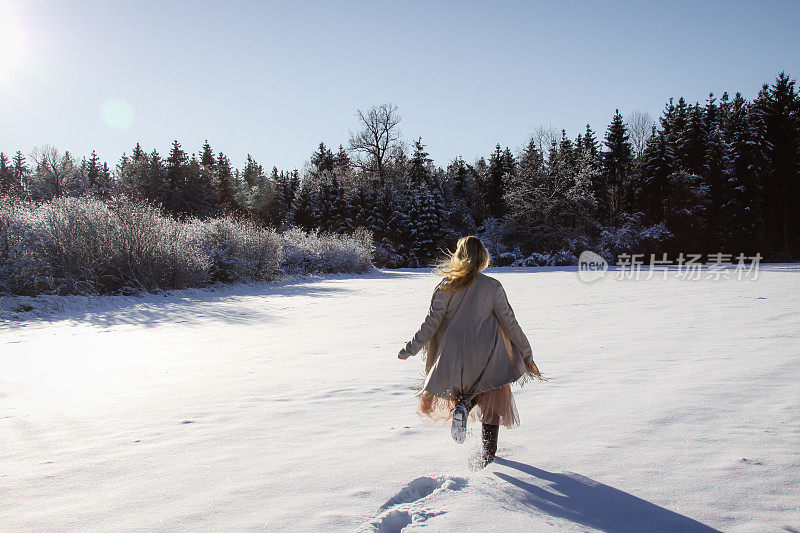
(86, 246)
(20, 269)
(491, 234)
(557, 258)
(631, 236)
(505, 259)
(533, 260)
(568, 255)
(313, 252)
(240, 250)
(91, 246)
(384, 255)
(151, 250)
(74, 243)
(52, 247)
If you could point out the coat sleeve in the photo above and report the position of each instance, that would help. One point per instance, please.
(504, 313)
(432, 322)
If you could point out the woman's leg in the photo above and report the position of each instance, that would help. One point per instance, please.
(489, 437)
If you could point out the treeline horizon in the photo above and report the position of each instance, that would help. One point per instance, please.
(718, 177)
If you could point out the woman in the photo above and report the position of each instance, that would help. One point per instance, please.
(474, 349)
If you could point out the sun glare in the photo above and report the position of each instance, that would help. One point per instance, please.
(12, 40)
(117, 113)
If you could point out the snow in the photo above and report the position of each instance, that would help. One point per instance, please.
(672, 405)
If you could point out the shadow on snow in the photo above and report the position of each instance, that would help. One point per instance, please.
(216, 302)
(195, 305)
(593, 504)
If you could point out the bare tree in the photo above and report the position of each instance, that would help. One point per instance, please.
(640, 126)
(379, 135)
(544, 136)
(55, 174)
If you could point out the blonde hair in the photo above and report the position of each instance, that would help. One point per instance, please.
(459, 268)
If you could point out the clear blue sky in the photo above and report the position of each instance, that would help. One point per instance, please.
(275, 78)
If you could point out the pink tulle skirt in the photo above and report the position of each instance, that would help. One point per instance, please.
(496, 406)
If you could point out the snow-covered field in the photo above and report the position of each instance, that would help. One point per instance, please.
(672, 406)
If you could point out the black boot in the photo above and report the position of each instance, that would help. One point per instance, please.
(459, 428)
(489, 435)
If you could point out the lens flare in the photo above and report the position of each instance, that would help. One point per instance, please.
(12, 41)
(117, 113)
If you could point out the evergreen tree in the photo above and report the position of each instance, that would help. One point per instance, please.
(677, 123)
(617, 165)
(136, 177)
(384, 235)
(501, 164)
(156, 184)
(93, 170)
(667, 121)
(207, 159)
(341, 162)
(669, 187)
(225, 186)
(550, 205)
(741, 208)
(241, 192)
(176, 170)
(138, 153)
(263, 194)
(332, 207)
(305, 207)
(419, 168)
(257, 191)
(652, 178)
(590, 146)
(253, 173)
(6, 176)
(294, 185)
(686, 206)
(423, 227)
(454, 195)
(531, 162)
(567, 152)
(322, 161)
(715, 168)
(711, 114)
(361, 205)
(691, 150)
(462, 180)
(777, 108)
(599, 187)
(21, 174)
(104, 181)
(398, 225)
(281, 204)
(200, 194)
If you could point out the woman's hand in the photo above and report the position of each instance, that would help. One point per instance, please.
(402, 354)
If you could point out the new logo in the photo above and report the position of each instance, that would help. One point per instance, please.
(591, 266)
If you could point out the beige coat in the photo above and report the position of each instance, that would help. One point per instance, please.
(472, 339)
